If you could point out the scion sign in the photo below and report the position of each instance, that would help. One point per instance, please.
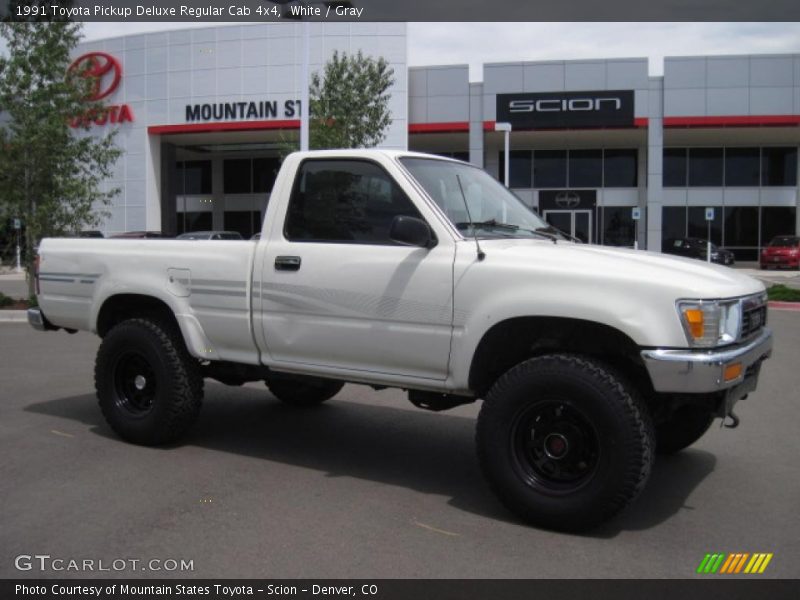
(563, 110)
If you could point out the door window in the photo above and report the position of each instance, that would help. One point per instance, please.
(344, 201)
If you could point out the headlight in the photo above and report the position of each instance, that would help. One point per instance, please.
(710, 323)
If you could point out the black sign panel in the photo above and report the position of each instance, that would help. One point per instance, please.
(566, 110)
(567, 199)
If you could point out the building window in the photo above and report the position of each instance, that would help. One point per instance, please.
(675, 162)
(550, 168)
(618, 226)
(585, 168)
(742, 167)
(777, 220)
(673, 224)
(238, 176)
(265, 170)
(705, 167)
(344, 201)
(619, 168)
(520, 169)
(698, 226)
(741, 226)
(196, 178)
(779, 167)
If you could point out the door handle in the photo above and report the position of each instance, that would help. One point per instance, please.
(287, 263)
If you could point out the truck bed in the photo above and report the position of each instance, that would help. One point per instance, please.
(205, 283)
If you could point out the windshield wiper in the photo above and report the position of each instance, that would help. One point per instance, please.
(489, 223)
(508, 227)
(554, 233)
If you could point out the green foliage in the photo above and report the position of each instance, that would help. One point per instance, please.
(5, 300)
(50, 173)
(349, 102)
(783, 293)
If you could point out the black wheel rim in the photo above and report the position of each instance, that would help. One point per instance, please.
(135, 383)
(554, 447)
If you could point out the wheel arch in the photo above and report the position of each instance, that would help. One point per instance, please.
(119, 307)
(513, 340)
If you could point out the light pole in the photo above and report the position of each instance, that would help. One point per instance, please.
(506, 129)
(305, 66)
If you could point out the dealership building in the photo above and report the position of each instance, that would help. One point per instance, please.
(202, 115)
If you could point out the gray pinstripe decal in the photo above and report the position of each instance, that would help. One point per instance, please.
(210, 292)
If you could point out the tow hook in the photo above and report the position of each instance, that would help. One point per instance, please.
(734, 421)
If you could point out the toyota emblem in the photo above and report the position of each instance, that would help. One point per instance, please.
(102, 69)
(568, 199)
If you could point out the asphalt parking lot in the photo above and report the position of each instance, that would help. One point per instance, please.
(365, 486)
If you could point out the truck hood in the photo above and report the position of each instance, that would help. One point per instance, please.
(674, 276)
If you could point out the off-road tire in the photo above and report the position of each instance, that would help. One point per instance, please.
(302, 391)
(172, 393)
(604, 423)
(683, 428)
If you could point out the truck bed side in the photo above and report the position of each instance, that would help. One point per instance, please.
(206, 284)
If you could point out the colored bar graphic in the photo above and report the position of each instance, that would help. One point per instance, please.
(754, 563)
(703, 563)
(717, 563)
(727, 565)
(765, 563)
(722, 563)
(741, 562)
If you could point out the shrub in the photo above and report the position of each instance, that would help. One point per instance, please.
(783, 293)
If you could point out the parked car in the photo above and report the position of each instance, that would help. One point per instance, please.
(588, 359)
(141, 235)
(783, 251)
(89, 234)
(698, 248)
(210, 235)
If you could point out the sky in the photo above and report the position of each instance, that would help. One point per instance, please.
(478, 43)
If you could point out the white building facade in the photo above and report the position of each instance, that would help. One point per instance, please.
(202, 113)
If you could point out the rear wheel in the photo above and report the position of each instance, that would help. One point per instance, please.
(148, 386)
(303, 391)
(683, 428)
(564, 442)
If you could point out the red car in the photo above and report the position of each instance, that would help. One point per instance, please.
(783, 251)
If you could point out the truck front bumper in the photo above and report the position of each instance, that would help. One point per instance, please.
(696, 372)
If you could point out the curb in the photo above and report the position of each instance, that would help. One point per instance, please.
(13, 316)
(791, 306)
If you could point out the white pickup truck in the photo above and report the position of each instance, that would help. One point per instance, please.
(396, 269)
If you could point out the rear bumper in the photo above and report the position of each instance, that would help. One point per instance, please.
(697, 372)
(38, 321)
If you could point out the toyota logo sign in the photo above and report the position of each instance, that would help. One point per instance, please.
(568, 200)
(102, 69)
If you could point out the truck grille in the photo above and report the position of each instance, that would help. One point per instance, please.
(754, 315)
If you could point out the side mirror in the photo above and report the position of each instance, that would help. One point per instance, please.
(411, 232)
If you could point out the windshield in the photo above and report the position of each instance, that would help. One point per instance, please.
(475, 202)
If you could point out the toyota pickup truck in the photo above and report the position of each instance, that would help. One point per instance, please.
(405, 270)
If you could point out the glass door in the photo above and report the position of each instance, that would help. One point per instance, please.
(577, 223)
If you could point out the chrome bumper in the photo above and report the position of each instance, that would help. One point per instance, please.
(696, 372)
(38, 321)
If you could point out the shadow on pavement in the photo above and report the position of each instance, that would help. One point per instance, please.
(427, 452)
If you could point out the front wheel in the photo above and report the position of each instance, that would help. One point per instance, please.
(564, 441)
(303, 391)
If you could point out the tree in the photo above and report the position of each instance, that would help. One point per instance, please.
(50, 172)
(349, 102)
